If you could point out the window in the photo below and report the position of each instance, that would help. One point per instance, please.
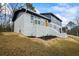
(41, 23)
(50, 25)
(54, 27)
(60, 30)
(19, 31)
(32, 18)
(36, 22)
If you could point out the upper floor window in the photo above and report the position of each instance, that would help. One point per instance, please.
(37, 22)
(32, 18)
(54, 26)
(56, 21)
(50, 25)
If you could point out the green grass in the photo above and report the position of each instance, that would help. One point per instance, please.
(17, 44)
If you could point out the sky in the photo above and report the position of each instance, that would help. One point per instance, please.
(65, 11)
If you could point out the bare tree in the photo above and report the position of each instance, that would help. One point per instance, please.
(1, 25)
(8, 22)
(30, 6)
(77, 21)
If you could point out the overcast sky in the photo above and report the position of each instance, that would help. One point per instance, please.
(67, 12)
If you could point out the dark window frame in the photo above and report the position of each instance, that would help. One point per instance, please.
(32, 18)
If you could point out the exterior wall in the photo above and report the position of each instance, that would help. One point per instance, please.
(55, 23)
(55, 26)
(49, 16)
(54, 20)
(19, 25)
(33, 29)
(29, 27)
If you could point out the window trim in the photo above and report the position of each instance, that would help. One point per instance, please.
(32, 18)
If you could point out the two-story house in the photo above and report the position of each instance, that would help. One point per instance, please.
(30, 23)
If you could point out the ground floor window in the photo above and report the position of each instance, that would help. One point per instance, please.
(36, 22)
(60, 30)
(20, 31)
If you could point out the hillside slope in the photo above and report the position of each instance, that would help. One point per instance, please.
(17, 44)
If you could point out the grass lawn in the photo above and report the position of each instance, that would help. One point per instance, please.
(17, 44)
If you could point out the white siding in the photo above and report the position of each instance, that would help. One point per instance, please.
(29, 28)
(23, 24)
(56, 21)
(19, 24)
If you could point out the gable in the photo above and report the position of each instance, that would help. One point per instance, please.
(30, 12)
(16, 14)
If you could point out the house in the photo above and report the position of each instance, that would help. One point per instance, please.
(72, 28)
(30, 23)
(70, 25)
(74, 31)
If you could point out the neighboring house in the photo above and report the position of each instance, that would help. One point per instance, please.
(70, 25)
(74, 31)
(71, 28)
(32, 24)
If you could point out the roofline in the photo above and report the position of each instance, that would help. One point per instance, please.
(28, 11)
(31, 12)
(71, 22)
(52, 15)
(16, 13)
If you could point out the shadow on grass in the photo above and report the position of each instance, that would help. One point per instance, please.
(1, 33)
(44, 37)
(47, 37)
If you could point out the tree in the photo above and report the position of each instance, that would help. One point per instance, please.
(1, 28)
(0, 5)
(30, 6)
(77, 21)
(7, 25)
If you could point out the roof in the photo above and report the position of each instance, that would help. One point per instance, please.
(16, 13)
(52, 15)
(70, 23)
(28, 11)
